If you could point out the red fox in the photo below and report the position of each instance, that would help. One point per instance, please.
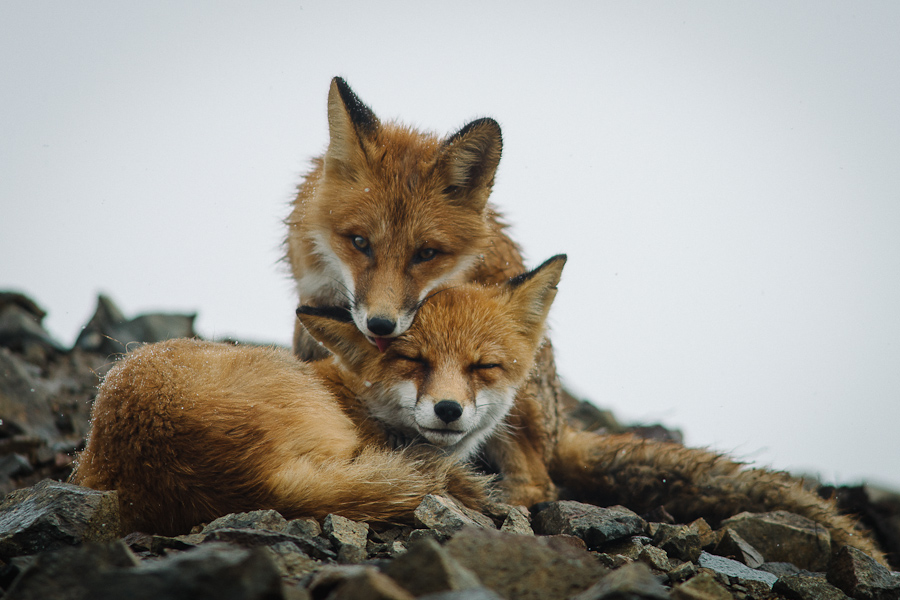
(388, 214)
(187, 431)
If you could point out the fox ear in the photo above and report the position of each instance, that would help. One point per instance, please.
(468, 162)
(532, 293)
(334, 328)
(350, 122)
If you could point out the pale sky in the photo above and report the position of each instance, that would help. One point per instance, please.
(725, 178)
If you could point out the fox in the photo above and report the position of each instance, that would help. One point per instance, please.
(390, 213)
(187, 430)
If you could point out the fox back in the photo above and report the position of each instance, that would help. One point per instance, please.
(390, 213)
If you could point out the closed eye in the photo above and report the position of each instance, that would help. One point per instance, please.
(413, 359)
(486, 366)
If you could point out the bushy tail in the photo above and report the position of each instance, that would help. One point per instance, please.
(377, 485)
(689, 483)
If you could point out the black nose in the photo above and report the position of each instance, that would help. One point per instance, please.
(380, 326)
(448, 410)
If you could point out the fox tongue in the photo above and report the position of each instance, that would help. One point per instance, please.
(382, 343)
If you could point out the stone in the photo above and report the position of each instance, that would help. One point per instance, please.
(655, 558)
(21, 330)
(428, 567)
(445, 517)
(860, 576)
(702, 586)
(344, 532)
(630, 548)
(524, 567)
(110, 332)
(370, 585)
(517, 521)
(734, 570)
(593, 524)
(803, 587)
(476, 594)
(290, 560)
(305, 527)
(679, 541)
(52, 514)
(732, 545)
(251, 538)
(634, 580)
(784, 536)
(269, 520)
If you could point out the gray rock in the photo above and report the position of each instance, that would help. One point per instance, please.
(21, 329)
(268, 520)
(702, 586)
(348, 537)
(109, 332)
(732, 545)
(445, 517)
(656, 558)
(679, 541)
(290, 561)
(783, 536)
(593, 524)
(307, 527)
(734, 570)
(251, 538)
(369, 585)
(517, 521)
(476, 594)
(631, 581)
(524, 567)
(428, 567)
(52, 514)
(803, 587)
(860, 576)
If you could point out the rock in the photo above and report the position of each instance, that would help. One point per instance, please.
(631, 581)
(268, 520)
(370, 585)
(593, 524)
(21, 330)
(702, 586)
(803, 587)
(109, 332)
(52, 514)
(630, 548)
(307, 527)
(251, 538)
(71, 572)
(523, 567)
(655, 558)
(679, 541)
(734, 570)
(348, 537)
(861, 577)
(732, 545)
(445, 517)
(428, 567)
(290, 561)
(476, 594)
(784, 536)
(517, 521)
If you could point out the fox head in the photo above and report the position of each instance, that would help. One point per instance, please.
(451, 378)
(401, 211)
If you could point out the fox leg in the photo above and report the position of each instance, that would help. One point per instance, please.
(689, 483)
(376, 485)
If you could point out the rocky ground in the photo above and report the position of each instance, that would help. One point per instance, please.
(63, 541)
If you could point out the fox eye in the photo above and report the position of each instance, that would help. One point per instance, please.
(486, 366)
(424, 255)
(361, 244)
(413, 359)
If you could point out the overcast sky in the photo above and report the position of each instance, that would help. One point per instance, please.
(724, 176)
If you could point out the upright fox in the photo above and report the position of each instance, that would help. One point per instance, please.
(187, 431)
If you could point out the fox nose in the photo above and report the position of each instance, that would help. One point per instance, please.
(380, 326)
(448, 410)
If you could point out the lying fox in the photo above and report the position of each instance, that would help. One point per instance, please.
(187, 431)
(390, 213)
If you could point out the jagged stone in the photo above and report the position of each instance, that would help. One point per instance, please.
(517, 521)
(679, 541)
(269, 520)
(523, 567)
(428, 567)
(370, 585)
(306, 527)
(860, 576)
(683, 572)
(784, 536)
(290, 560)
(734, 570)
(732, 545)
(702, 586)
(593, 524)
(634, 580)
(476, 594)
(630, 548)
(348, 537)
(445, 517)
(251, 538)
(656, 558)
(804, 587)
(52, 514)
(21, 329)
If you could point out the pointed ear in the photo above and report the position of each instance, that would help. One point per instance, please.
(350, 123)
(532, 293)
(334, 328)
(468, 162)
